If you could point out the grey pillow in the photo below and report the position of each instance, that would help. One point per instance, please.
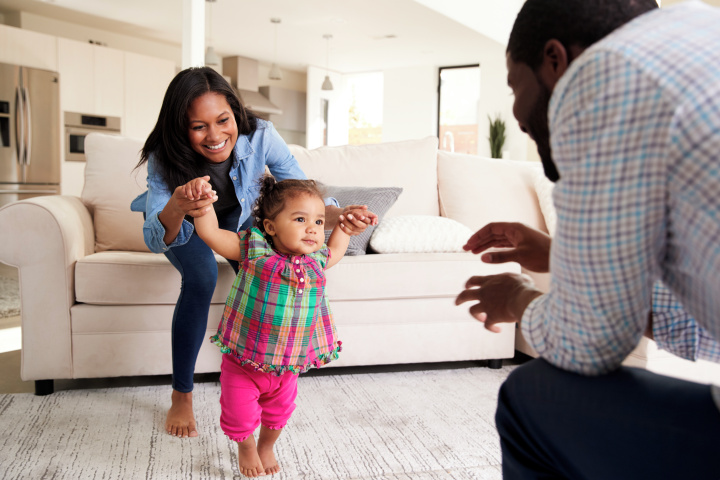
(378, 199)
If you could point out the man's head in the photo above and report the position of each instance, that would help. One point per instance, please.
(546, 37)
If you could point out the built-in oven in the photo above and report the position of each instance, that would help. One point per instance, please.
(79, 125)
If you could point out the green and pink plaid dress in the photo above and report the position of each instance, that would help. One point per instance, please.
(276, 317)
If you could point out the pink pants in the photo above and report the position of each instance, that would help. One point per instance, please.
(249, 397)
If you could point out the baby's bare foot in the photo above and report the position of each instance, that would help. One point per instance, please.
(267, 457)
(180, 420)
(248, 458)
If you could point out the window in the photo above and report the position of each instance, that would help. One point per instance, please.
(365, 108)
(459, 92)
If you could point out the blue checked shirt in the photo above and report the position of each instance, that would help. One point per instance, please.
(635, 135)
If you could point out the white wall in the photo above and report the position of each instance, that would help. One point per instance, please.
(409, 103)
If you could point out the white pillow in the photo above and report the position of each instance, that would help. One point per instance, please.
(419, 234)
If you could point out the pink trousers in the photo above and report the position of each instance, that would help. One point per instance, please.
(249, 397)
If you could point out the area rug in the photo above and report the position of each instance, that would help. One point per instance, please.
(432, 424)
(9, 298)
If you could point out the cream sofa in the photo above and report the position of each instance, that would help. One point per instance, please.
(96, 303)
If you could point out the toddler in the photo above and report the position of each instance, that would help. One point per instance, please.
(277, 322)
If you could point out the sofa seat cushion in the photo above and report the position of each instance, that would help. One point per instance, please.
(138, 278)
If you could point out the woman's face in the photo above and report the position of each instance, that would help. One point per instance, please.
(212, 130)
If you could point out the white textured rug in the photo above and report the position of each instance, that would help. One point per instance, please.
(9, 299)
(434, 424)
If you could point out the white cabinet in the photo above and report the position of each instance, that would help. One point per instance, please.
(146, 79)
(27, 48)
(91, 78)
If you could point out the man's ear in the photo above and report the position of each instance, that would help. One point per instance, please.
(554, 64)
(269, 227)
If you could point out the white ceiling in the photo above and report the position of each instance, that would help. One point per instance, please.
(360, 28)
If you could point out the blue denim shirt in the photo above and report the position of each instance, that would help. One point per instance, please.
(250, 156)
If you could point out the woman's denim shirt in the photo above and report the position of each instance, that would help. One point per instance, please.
(250, 156)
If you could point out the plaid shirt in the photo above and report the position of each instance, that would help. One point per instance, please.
(635, 135)
(276, 316)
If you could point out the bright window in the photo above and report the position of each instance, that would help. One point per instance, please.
(366, 108)
(458, 108)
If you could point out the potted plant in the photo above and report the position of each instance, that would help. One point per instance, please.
(497, 136)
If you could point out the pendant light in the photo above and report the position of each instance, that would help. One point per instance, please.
(211, 58)
(327, 84)
(275, 73)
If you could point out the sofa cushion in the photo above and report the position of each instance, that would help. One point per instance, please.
(419, 234)
(135, 278)
(475, 191)
(411, 165)
(110, 185)
(378, 200)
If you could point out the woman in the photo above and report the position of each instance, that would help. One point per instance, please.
(204, 131)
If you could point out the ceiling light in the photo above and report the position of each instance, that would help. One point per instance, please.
(211, 58)
(327, 84)
(275, 73)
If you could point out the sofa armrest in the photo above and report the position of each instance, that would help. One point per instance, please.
(44, 237)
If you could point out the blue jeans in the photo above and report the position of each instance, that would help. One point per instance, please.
(628, 424)
(197, 266)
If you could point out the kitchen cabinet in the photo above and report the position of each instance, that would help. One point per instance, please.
(293, 106)
(28, 48)
(146, 79)
(91, 78)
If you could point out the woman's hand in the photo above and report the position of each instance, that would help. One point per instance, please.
(526, 246)
(354, 219)
(195, 197)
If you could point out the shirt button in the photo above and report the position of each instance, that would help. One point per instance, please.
(297, 261)
(242, 199)
(297, 271)
(300, 291)
(234, 178)
(302, 279)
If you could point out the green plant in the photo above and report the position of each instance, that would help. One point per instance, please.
(497, 136)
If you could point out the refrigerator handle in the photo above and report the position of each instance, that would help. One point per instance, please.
(28, 126)
(19, 125)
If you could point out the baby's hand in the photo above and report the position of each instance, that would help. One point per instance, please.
(198, 188)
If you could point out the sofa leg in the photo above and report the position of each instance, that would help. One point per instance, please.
(44, 387)
(495, 363)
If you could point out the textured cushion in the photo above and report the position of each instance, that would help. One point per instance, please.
(477, 190)
(379, 200)
(419, 234)
(411, 165)
(110, 186)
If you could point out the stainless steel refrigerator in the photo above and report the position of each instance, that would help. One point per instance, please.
(29, 133)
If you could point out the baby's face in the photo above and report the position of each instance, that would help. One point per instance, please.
(299, 228)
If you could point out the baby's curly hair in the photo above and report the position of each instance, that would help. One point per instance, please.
(273, 195)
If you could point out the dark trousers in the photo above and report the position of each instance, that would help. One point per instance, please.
(628, 424)
(198, 268)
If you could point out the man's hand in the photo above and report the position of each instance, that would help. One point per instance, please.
(500, 298)
(526, 246)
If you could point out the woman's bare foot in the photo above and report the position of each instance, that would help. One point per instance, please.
(265, 446)
(248, 459)
(180, 420)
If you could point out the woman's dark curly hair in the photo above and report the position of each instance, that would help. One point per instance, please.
(273, 195)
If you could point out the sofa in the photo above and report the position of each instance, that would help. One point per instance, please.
(96, 303)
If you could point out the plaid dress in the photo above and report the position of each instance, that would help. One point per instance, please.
(276, 317)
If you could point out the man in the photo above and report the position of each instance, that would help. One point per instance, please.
(623, 100)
